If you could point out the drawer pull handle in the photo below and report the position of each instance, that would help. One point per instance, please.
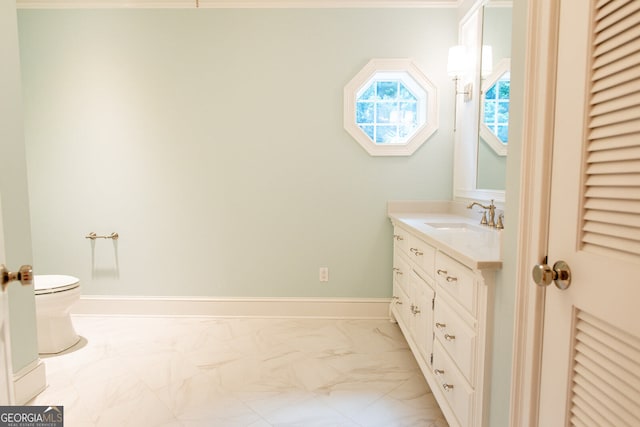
(396, 269)
(398, 237)
(442, 272)
(398, 302)
(399, 272)
(415, 310)
(447, 387)
(416, 251)
(449, 337)
(452, 279)
(438, 371)
(441, 325)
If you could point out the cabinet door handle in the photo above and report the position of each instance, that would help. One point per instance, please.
(438, 371)
(398, 237)
(415, 310)
(441, 325)
(447, 387)
(441, 272)
(449, 337)
(416, 251)
(452, 279)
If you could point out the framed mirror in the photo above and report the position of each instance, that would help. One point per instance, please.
(494, 98)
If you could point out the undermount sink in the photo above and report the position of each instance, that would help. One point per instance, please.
(453, 226)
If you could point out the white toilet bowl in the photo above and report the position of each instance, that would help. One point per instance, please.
(55, 294)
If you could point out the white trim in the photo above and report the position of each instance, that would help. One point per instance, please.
(341, 308)
(537, 137)
(29, 382)
(233, 4)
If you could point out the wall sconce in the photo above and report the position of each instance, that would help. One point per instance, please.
(457, 65)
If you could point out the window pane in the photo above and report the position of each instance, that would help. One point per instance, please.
(386, 112)
(405, 131)
(408, 112)
(504, 89)
(491, 93)
(405, 93)
(503, 112)
(489, 112)
(503, 133)
(364, 112)
(368, 94)
(368, 130)
(387, 90)
(386, 134)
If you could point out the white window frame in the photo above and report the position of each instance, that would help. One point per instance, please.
(428, 105)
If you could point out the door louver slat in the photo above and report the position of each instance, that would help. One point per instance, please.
(611, 197)
(617, 103)
(606, 380)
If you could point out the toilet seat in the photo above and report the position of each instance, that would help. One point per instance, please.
(54, 283)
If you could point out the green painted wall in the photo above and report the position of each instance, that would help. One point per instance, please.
(14, 193)
(212, 142)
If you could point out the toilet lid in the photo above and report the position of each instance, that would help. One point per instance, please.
(51, 283)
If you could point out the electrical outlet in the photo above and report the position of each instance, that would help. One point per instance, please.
(323, 274)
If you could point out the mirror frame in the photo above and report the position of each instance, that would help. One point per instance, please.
(468, 114)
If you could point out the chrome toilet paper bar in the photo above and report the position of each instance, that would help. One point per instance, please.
(94, 236)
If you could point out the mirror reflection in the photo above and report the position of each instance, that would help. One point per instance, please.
(494, 102)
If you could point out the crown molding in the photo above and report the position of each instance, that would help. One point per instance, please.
(231, 4)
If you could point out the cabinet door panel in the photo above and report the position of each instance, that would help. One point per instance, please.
(421, 310)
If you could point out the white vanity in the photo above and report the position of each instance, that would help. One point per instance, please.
(444, 264)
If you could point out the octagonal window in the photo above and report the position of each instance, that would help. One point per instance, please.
(390, 107)
(494, 108)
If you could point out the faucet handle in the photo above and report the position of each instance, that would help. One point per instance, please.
(500, 224)
(483, 221)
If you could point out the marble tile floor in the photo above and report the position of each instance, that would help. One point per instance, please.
(198, 371)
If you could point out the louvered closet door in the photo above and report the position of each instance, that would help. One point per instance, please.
(591, 343)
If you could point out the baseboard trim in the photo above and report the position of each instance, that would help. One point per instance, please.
(340, 308)
(29, 382)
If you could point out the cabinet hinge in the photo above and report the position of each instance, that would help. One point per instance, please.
(433, 303)
(431, 359)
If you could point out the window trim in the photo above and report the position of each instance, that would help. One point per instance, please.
(364, 77)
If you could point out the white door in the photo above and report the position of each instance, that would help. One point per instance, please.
(6, 389)
(591, 345)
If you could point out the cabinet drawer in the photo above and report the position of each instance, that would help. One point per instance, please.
(457, 280)
(458, 339)
(422, 254)
(457, 392)
(401, 269)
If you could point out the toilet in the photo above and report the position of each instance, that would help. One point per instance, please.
(55, 294)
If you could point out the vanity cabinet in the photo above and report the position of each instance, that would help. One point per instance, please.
(443, 305)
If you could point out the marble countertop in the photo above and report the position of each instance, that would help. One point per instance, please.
(475, 245)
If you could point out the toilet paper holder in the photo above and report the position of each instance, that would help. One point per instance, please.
(94, 236)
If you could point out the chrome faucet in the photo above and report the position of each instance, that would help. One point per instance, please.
(492, 213)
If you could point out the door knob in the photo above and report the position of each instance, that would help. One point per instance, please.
(24, 275)
(543, 275)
